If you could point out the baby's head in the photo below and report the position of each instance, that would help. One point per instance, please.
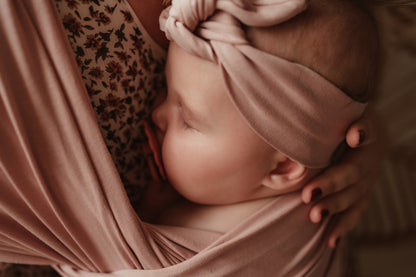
(211, 155)
(335, 38)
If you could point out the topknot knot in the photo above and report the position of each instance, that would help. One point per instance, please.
(192, 12)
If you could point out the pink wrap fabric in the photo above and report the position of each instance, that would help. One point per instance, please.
(294, 109)
(62, 202)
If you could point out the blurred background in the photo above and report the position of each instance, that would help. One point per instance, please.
(384, 242)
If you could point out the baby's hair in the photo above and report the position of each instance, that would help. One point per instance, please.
(336, 38)
(341, 39)
(166, 2)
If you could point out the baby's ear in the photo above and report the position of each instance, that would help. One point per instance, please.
(285, 175)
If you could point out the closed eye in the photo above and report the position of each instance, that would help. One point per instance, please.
(185, 122)
(187, 118)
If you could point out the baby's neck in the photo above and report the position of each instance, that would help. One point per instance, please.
(217, 218)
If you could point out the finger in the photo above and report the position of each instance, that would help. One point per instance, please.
(355, 165)
(339, 202)
(332, 180)
(361, 132)
(346, 221)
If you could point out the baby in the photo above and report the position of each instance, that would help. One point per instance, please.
(228, 146)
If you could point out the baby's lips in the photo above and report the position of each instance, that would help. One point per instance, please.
(154, 147)
(151, 163)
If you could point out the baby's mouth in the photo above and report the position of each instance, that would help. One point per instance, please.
(153, 154)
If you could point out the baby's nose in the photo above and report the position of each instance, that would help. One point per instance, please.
(159, 118)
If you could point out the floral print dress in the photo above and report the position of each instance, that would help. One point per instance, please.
(123, 72)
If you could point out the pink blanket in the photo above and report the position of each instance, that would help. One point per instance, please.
(62, 202)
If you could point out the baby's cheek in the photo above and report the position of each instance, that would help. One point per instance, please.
(184, 174)
(176, 162)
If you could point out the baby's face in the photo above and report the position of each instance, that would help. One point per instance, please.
(210, 154)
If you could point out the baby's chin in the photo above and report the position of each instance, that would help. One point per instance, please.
(198, 197)
(210, 198)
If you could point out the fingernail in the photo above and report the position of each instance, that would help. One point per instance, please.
(362, 137)
(324, 213)
(337, 242)
(316, 193)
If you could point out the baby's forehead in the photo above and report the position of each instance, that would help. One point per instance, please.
(192, 74)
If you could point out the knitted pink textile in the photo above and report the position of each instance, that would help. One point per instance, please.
(293, 108)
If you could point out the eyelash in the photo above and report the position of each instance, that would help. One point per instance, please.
(186, 125)
(184, 122)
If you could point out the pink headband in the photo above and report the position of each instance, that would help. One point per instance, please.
(293, 108)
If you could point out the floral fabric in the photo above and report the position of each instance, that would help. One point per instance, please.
(123, 71)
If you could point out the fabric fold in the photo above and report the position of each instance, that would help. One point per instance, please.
(62, 200)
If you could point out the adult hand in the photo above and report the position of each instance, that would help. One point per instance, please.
(345, 187)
